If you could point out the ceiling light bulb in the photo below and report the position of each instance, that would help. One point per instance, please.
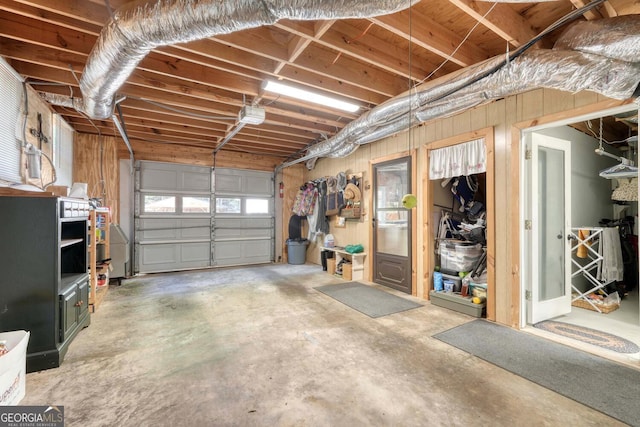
(306, 95)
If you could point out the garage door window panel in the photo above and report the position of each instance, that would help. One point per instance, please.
(156, 203)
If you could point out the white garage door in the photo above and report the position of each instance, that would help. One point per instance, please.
(244, 222)
(180, 224)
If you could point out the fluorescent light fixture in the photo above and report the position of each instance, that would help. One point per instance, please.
(305, 95)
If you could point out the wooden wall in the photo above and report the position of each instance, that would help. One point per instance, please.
(37, 106)
(95, 162)
(172, 153)
(506, 116)
(292, 178)
(92, 151)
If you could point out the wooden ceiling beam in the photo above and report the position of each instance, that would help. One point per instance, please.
(48, 57)
(171, 62)
(430, 35)
(215, 53)
(49, 15)
(151, 114)
(347, 71)
(87, 11)
(239, 141)
(385, 55)
(298, 44)
(202, 106)
(141, 109)
(502, 20)
(157, 128)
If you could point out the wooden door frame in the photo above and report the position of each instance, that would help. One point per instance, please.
(427, 205)
(414, 217)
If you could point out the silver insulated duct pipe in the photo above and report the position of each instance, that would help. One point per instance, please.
(580, 60)
(600, 56)
(136, 29)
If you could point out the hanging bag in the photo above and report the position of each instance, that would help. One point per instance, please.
(334, 203)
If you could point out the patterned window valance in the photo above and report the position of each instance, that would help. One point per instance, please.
(461, 159)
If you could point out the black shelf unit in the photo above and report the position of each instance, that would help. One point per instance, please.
(44, 283)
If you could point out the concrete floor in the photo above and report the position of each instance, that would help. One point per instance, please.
(260, 347)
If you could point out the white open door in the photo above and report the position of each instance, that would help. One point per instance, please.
(549, 212)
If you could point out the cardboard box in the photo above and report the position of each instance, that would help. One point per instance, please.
(347, 271)
(331, 265)
(59, 190)
(13, 367)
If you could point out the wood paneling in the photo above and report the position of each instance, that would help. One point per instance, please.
(292, 178)
(507, 117)
(95, 162)
(36, 106)
(178, 153)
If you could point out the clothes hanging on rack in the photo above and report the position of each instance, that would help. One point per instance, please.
(318, 222)
(628, 244)
(612, 268)
(305, 200)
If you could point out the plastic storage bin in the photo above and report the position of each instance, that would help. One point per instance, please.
(457, 303)
(458, 256)
(297, 251)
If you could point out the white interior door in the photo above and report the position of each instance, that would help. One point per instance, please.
(549, 210)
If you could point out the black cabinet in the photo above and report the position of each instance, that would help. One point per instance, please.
(74, 307)
(44, 284)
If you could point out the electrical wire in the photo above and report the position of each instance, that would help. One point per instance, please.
(464, 40)
(516, 53)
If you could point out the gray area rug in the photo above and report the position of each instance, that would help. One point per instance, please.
(603, 385)
(367, 299)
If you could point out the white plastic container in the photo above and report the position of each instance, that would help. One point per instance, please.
(459, 256)
(13, 367)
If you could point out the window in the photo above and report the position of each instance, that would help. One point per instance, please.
(229, 205)
(192, 204)
(159, 204)
(257, 206)
(10, 120)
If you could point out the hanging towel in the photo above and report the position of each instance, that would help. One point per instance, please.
(611, 268)
(582, 250)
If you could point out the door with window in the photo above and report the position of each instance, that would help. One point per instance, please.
(548, 225)
(392, 224)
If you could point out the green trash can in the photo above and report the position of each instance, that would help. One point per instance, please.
(297, 251)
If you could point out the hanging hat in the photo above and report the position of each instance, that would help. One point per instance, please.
(352, 192)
